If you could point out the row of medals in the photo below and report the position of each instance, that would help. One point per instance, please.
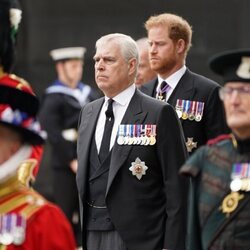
(240, 182)
(191, 110)
(129, 134)
(12, 229)
(240, 177)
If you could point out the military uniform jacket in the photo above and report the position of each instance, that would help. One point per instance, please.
(194, 87)
(211, 168)
(59, 113)
(148, 213)
(46, 226)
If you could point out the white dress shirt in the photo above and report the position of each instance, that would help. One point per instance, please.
(172, 81)
(120, 105)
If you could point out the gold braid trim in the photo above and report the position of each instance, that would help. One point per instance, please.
(14, 194)
(28, 211)
(38, 202)
(234, 141)
(10, 186)
(13, 203)
(25, 171)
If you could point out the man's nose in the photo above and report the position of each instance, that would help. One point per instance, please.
(153, 48)
(235, 96)
(100, 64)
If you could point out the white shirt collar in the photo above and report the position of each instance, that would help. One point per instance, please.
(120, 106)
(173, 79)
(124, 97)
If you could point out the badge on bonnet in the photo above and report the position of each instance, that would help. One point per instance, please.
(233, 65)
(244, 68)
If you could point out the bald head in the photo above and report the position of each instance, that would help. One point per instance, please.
(145, 73)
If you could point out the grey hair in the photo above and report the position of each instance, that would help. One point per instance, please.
(126, 43)
(142, 42)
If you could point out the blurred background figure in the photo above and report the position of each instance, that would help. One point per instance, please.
(144, 73)
(220, 200)
(61, 105)
(27, 220)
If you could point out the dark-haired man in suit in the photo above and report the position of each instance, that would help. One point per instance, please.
(130, 148)
(194, 97)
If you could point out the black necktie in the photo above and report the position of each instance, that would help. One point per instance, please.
(104, 149)
(164, 88)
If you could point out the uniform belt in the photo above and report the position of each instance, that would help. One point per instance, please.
(94, 206)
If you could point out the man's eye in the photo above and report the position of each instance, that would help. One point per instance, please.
(109, 60)
(161, 44)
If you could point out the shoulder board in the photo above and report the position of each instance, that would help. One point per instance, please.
(219, 138)
(25, 202)
(36, 201)
(19, 79)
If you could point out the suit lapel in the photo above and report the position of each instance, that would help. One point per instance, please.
(100, 170)
(150, 87)
(133, 115)
(184, 90)
(86, 132)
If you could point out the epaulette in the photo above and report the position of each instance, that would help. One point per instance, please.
(218, 139)
(16, 211)
(19, 79)
(25, 202)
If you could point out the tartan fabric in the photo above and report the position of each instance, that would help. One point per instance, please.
(211, 168)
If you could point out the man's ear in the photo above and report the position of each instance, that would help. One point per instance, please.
(180, 46)
(58, 66)
(132, 66)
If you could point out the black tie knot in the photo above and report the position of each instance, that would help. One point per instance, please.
(109, 112)
(162, 92)
(162, 86)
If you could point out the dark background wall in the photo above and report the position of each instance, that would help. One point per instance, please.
(217, 25)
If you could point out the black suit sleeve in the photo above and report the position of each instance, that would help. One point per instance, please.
(172, 154)
(52, 120)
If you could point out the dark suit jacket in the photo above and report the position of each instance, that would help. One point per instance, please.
(195, 87)
(149, 213)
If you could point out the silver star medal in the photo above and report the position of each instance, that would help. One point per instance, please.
(138, 168)
(190, 144)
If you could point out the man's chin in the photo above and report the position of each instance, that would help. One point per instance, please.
(237, 124)
(155, 68)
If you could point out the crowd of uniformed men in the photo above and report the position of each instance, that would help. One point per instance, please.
(160, 161)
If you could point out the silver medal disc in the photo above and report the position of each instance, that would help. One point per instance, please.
(179, 113)
(235, 185)
(120, 140)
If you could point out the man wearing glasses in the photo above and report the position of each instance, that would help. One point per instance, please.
(219, 204)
